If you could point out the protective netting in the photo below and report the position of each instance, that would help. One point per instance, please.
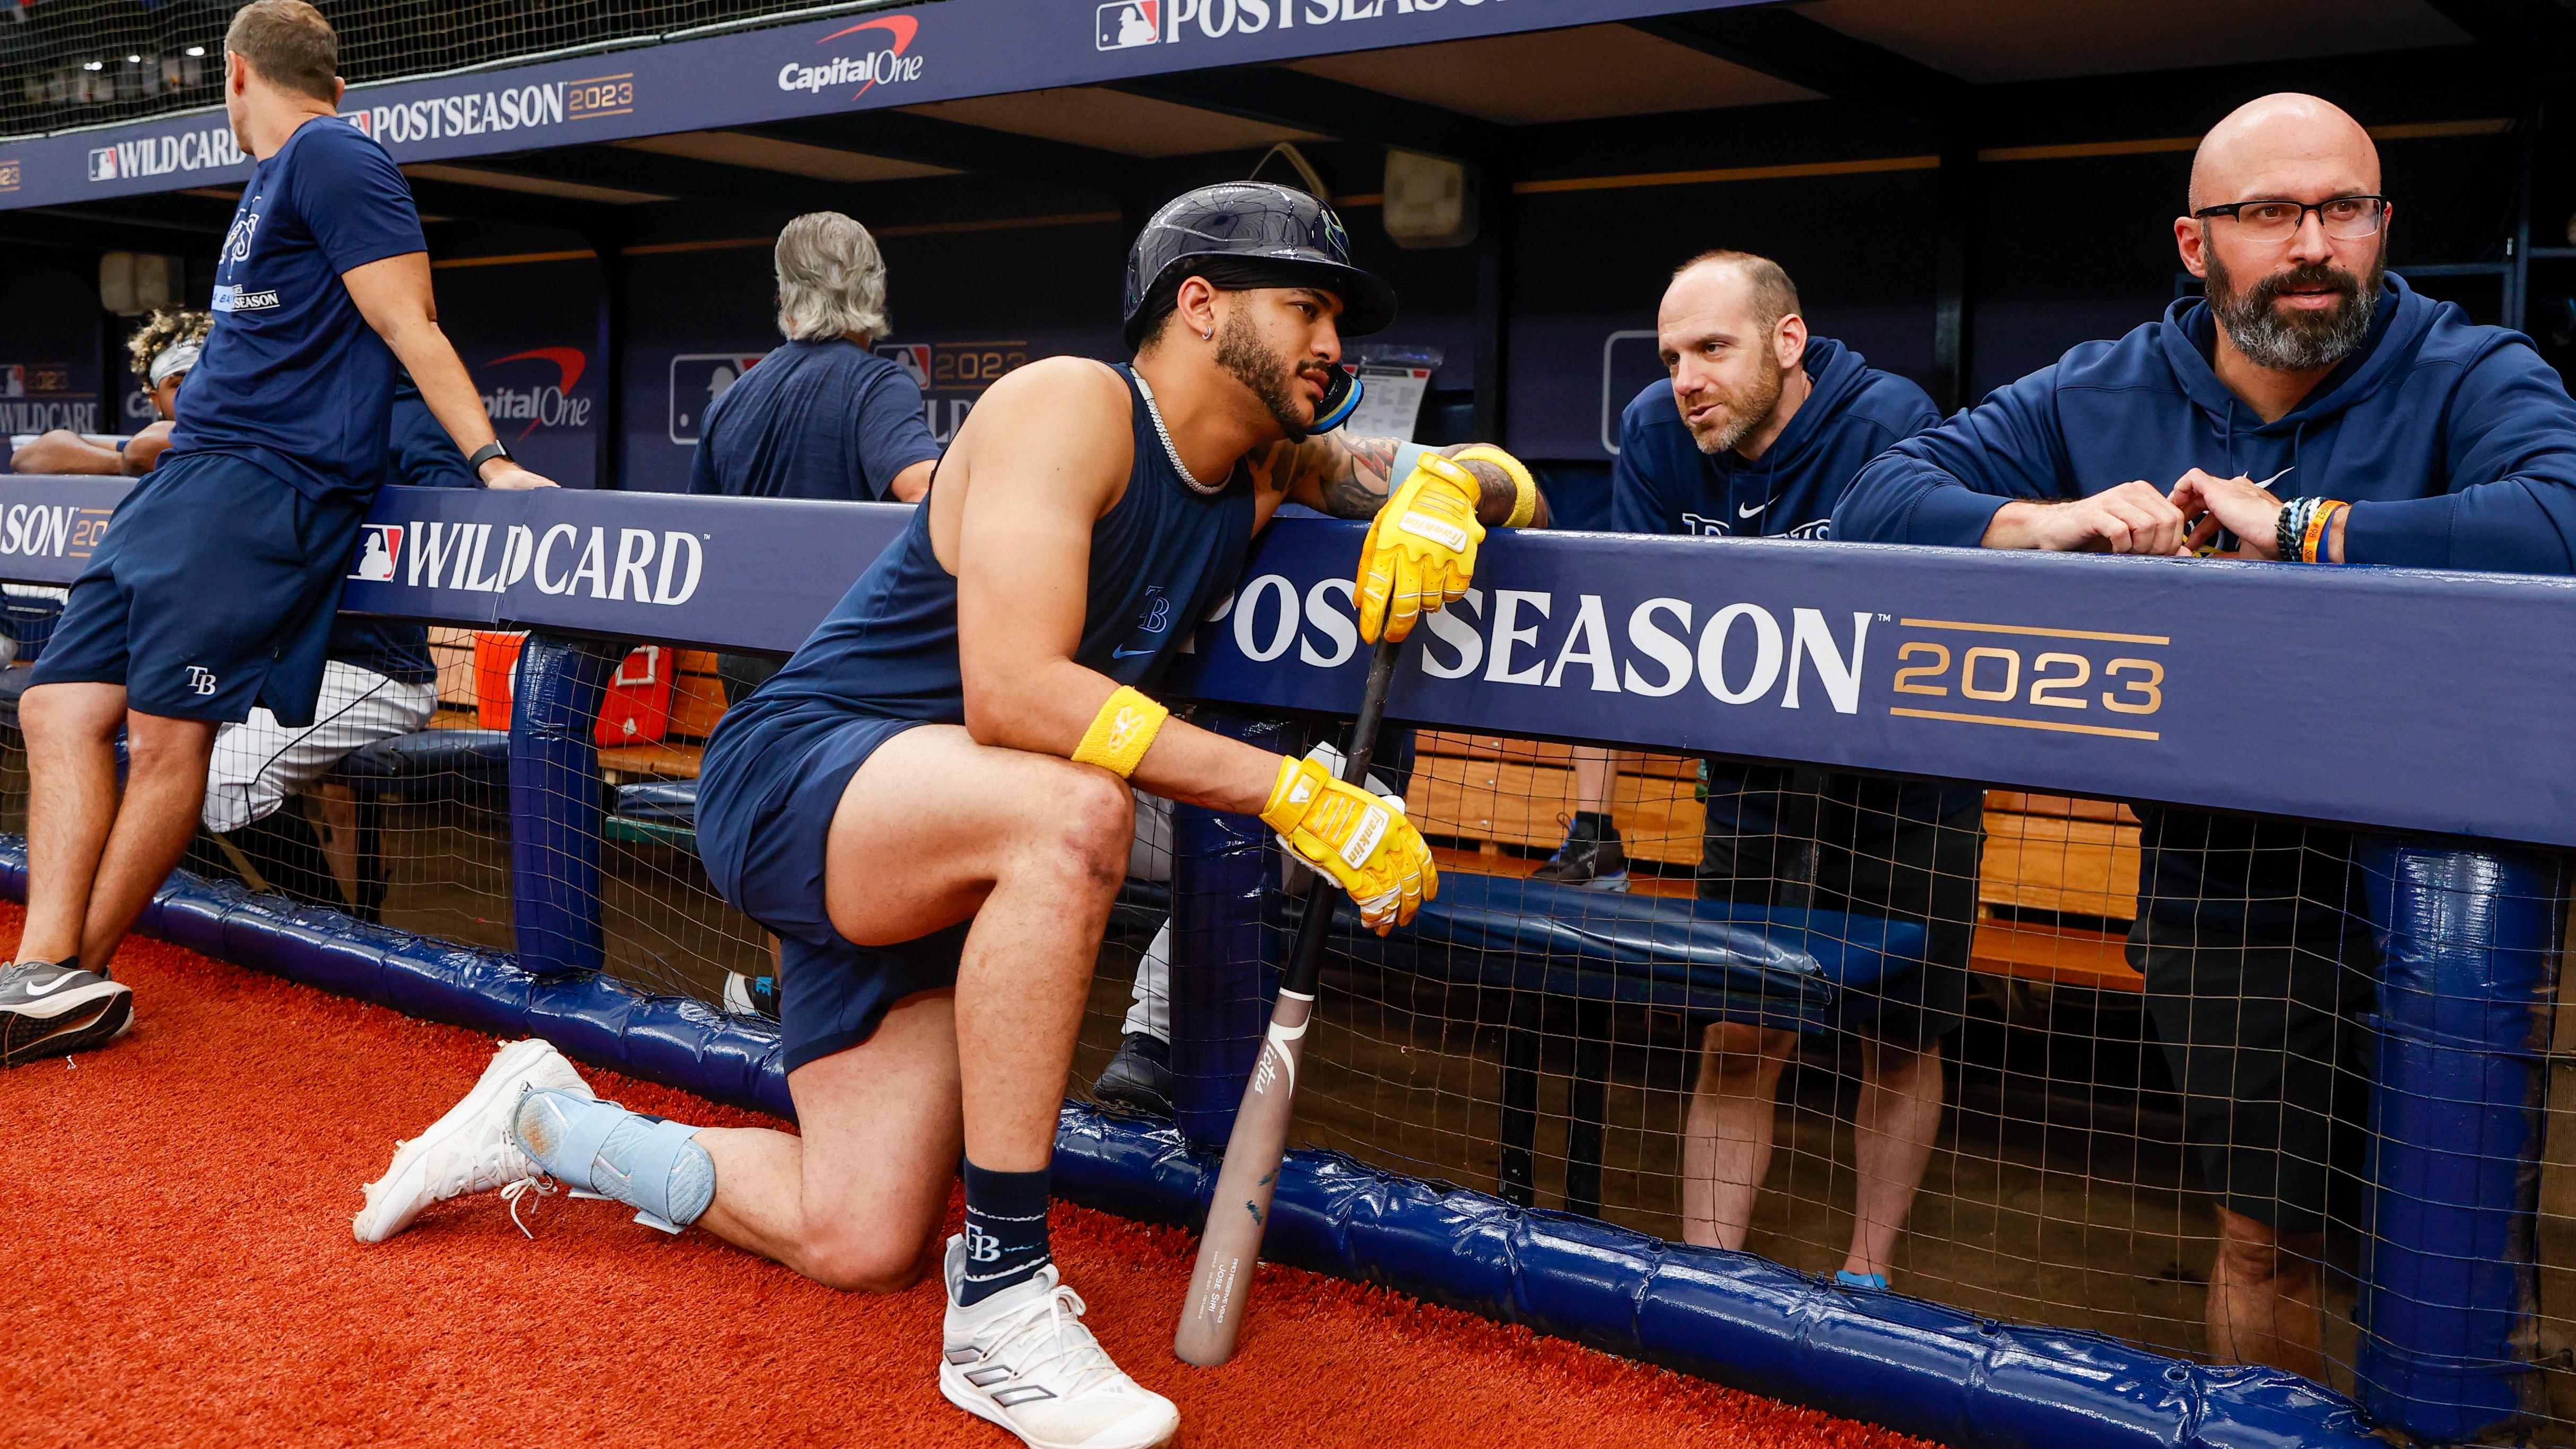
(78, 62)
(1993, 1105)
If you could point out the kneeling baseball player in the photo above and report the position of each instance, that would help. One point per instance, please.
(930, 803)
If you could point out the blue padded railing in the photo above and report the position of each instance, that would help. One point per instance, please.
(2447, 1307)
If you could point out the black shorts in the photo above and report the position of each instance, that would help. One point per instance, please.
(212, 594)
(1867, 846)
(2267, 1046)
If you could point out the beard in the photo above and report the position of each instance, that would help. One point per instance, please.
(1241, 351)
(1741, 414)
(2296, 341)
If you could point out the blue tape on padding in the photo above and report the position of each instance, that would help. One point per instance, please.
(2449, 1287)
(1732, 1317)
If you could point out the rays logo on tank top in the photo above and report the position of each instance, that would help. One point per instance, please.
(1156, 621)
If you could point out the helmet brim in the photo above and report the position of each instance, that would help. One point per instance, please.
(1368, 304)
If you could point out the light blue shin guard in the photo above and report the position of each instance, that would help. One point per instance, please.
(599, 1149)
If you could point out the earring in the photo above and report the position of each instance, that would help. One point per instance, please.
(1208, 336)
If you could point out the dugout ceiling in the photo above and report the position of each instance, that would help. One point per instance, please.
(1923, 164)
(1070, 87)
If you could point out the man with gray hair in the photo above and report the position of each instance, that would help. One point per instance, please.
(822, 416)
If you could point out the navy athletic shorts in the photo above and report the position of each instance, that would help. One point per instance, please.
(767, 791)
(212, 594)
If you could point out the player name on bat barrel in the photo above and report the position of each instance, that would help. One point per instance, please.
(2308, 692)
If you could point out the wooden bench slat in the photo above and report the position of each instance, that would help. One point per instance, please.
(1516, 804)
(2017, 802)
(2056, 955)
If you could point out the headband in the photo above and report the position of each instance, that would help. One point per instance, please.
(173, 360)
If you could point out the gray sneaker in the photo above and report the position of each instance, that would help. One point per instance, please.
(54, 1008)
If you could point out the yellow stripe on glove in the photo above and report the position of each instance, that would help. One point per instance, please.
(1122, 732)
(1361, 840)
(1421, 550)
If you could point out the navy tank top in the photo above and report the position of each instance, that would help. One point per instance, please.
(1160, 558)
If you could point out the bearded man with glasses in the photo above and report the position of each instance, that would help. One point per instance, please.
(2312, 409)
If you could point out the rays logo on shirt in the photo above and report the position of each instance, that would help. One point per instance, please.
(1157, 621)
(1692, 523)
(237, 240)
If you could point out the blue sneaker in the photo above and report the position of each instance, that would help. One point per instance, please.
(1875, 1282)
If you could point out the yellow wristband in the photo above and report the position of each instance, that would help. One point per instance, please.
(1525, 499)
(1122, 732)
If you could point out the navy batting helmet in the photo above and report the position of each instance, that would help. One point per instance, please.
(1254, 221)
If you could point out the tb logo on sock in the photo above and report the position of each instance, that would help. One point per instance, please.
(981, 1246)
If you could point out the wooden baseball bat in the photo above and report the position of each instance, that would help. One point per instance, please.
(1212, 1315)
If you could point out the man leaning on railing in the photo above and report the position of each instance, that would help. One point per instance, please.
(2313, 409)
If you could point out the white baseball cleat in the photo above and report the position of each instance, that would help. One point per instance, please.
(1023, 1359)
(469, 1149)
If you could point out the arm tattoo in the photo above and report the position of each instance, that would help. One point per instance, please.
(1350, 477)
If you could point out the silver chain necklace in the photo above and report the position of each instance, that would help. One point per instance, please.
(1204, 490)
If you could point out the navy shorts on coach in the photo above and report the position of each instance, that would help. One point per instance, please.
(771, 781)
(212, 594)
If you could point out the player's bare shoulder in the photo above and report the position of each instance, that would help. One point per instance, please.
(1054, 434)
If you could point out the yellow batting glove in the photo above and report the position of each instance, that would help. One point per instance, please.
(1361, 840)
(1421, 551)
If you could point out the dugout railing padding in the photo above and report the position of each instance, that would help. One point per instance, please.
(2447, 1290)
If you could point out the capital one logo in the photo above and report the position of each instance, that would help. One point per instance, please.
(548, 403)
(890, 66)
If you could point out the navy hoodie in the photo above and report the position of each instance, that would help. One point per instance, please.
(1663, 483)
(2455, 443)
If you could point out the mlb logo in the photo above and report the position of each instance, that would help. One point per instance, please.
(102, 163)
(697, 380)
(1125, 24)
(379, 545)
(912, 357)
(13, 379)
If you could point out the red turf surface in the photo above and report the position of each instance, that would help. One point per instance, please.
(180, 1270)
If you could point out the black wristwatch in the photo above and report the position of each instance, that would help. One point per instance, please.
(485, 454)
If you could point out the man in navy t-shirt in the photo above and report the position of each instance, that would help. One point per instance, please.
(215, 588)
(1756, 434)
(378, 683)
(821, 417)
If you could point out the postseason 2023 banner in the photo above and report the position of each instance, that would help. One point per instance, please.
(855, 61)
(2405, 699)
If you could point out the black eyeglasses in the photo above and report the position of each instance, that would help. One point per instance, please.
(2345, 218)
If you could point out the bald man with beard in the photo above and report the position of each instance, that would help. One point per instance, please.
(2316, 410)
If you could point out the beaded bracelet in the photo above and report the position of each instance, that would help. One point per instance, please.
(2291, 527)
(2299, 535)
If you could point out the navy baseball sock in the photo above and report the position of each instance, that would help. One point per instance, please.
(1006, 1231)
